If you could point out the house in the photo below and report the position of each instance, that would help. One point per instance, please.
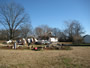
(53, 39)
(86, 39)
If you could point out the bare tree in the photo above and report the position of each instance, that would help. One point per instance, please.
(42, 30)
(25, 30)
(46, 29)
(12, 16)
(38, 31)
(56, 32)
(3, 34)
(74, 28)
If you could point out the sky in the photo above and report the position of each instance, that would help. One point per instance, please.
(55, 12)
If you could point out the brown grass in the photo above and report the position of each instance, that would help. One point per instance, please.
(79, 57)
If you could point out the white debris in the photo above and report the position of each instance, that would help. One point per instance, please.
(10, 41)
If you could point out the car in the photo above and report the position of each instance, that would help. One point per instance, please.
(42, 42)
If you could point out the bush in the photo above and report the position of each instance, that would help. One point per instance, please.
(66, 48)
(4, 43)
(38, 43)
(58, 48)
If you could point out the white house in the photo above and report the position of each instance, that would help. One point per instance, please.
(86, 39)
(53, 39)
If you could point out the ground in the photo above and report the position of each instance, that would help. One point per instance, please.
(79, 57)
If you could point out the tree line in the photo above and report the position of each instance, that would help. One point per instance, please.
(17, 24)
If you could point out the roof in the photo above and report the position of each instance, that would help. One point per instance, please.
(85, 36)
(53, 36)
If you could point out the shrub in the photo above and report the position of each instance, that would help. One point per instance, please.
(66, 48)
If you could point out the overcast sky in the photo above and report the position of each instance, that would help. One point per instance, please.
(55, 12)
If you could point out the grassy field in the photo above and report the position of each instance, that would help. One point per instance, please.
(79, 57)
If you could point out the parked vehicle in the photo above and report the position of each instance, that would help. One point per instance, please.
(39, 42)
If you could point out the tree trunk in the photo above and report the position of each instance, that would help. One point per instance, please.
(11, 34)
